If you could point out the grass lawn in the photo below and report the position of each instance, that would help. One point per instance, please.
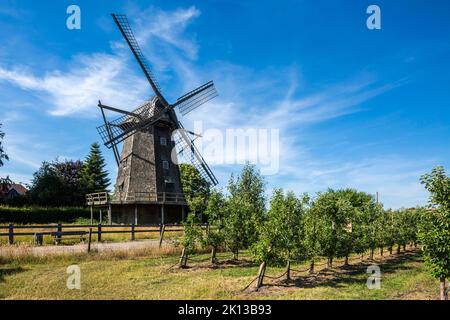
(147, 276)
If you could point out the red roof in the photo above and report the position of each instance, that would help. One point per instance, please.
(5, 188)
(19, 188)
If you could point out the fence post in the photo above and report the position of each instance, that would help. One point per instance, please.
(132, 232)
(261, 273)
(59, 231)
(90, 239)
(11, 234)
(183, 258)
(162, 228)
(99, 232)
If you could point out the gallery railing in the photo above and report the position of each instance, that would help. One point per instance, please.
(102, 198)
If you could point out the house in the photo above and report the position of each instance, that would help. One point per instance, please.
(11, 190)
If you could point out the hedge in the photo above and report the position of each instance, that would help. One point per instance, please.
(33, 215)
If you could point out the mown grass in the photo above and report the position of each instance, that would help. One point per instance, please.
(146, 274)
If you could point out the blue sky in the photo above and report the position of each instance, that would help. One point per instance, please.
(360, 108)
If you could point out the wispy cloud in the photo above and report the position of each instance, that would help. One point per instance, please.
(75, 89)
(76, 92)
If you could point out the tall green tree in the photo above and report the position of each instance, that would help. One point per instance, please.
(70, 173)
(57, 183)
(245, 208)
(94, 177)
(216, 215)
(3, 155)
(195, 188)
(335, 215)
(47, 187)
(435, 231)
(280, 237)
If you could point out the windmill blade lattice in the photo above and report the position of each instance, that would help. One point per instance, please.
(187, 149)
(117, 130)
(124, 27)
(195, 98)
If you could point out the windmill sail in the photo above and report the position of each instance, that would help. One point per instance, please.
(195, 98)
(124, 27)
(186, 147)
(117, 130)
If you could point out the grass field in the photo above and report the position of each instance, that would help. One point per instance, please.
(147, 275)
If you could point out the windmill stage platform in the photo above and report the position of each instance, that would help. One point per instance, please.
(139, 207)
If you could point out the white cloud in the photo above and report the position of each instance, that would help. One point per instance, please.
(168, 28)
(108, 77)
(92, 77)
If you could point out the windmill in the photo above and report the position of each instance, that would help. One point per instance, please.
(148, 187)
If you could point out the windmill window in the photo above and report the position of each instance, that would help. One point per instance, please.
(165, 164)
(163, 141)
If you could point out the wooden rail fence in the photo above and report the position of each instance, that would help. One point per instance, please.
(57, 231)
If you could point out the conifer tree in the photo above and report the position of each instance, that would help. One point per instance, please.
(94, 177)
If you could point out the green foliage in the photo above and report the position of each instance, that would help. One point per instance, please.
(434, 233)
(57, 184)
(40, 215)
(195, 188)
(93, 176)
(47, 187)
(281, 234)
(335, 213)
(216, 214)
(245, 208)
(3, 155)
(65, 183)
(193, 233)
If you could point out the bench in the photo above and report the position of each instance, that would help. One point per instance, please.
(58, 236)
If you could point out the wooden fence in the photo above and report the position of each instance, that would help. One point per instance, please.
(57, 231)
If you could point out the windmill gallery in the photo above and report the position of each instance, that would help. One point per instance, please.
(148, 186)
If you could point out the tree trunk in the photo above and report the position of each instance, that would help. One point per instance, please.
(346, 261)
(311, 267)
(398, 249)
(213, 255)
(390, 250)
(371, 254)
(404, 247)
(236, 254)
(288, 270)
(381, 251)
(261, 273)
(330, 263)
(444, 295)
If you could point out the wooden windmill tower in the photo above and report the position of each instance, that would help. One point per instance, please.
(148, 187)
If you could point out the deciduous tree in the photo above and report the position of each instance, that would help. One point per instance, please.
(435, 232)
(3, 155)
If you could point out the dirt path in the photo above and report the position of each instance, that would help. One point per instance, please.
(78, 248)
